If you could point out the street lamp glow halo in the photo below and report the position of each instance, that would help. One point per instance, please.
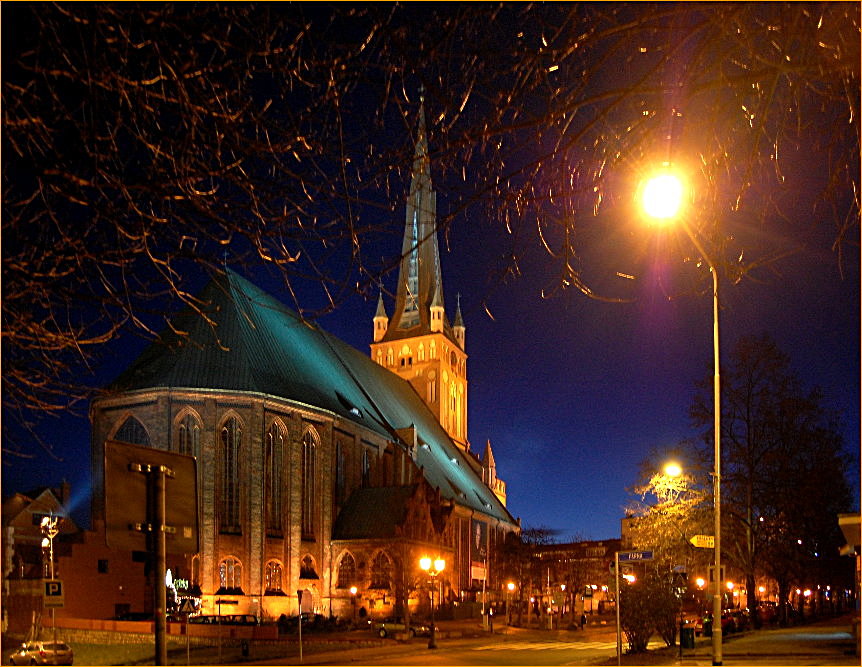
(662, 195)
(672, 469)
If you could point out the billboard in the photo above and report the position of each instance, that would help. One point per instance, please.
(478, 541)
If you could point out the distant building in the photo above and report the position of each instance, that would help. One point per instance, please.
(577, 575)
(319, 469)
(25, 561)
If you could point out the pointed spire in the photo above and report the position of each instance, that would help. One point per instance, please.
(459, 321)
(419, 279)
(458, 328)
(381, 320)
(488, 458)
(381, 310)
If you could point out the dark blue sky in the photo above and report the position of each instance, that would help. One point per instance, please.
(574, 393)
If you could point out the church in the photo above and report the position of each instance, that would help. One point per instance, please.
(320, 469)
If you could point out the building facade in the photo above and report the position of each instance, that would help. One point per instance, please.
(319, 469)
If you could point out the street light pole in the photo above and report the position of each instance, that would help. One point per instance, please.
(50, 530)
(662, 201)
(433, 569)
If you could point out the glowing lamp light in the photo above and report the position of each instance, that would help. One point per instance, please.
(761, 589)
(673, 469)
(730, 585)
(510, 586)
(629, 578)
(662, 196)
(700, 581)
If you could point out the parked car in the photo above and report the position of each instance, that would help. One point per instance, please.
(395, 624)
(768, 611)
(225, 619)
(728, 623)
(740, 620)
(42, 653)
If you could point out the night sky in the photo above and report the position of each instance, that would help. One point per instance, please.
(575, 393)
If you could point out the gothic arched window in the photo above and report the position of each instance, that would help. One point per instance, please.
(309, 446)
(381, 570)
(346, 571)
(133, 432)
(340, 483)
(273, 457)
(230, 576)
(189, 436)
(366, 469)
(272, 577)
(231, 450)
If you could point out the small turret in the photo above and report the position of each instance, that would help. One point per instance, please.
(381, 320)
(437, 310)
(458, 328)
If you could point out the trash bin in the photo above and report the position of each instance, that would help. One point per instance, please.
(686, 637)
(707, 628)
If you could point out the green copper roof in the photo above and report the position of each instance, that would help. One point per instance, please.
(254, 343)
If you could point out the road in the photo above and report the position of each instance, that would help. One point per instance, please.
(517, 648)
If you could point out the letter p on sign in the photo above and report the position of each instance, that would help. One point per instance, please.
(52, 595)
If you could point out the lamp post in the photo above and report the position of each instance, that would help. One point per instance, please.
(433, 568)
(353, 590)
(509, 588)
(662, 198)
(50, 531)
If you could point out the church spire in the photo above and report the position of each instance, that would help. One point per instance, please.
(419, 297)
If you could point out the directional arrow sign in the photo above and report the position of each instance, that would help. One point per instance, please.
(635, 555)
(703, 541)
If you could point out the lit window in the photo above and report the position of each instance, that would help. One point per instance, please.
(230, 575)
(272, 577)
(381, 568)
(421, 353)
(347, 571)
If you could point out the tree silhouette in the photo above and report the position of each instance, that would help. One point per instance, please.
(784, 471)
(145, 145)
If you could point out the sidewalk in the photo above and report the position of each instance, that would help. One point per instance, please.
(825, 642)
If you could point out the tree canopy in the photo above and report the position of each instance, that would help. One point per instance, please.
(145, 144)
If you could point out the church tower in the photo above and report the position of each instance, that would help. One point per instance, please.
(417, 342)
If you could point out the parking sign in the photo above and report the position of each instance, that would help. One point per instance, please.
(52, 594)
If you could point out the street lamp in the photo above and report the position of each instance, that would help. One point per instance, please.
(510, 587)
(662, 198)
(353, 590)
(672, 469)
(50, 531)
(433, 569)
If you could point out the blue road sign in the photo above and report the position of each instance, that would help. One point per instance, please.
(634, 555)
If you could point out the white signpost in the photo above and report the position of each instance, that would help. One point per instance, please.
(625, 557)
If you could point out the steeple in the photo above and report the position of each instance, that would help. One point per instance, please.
(458, 327)
(489, 474)
(381, 319)
(420, 286)
(418, 343)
